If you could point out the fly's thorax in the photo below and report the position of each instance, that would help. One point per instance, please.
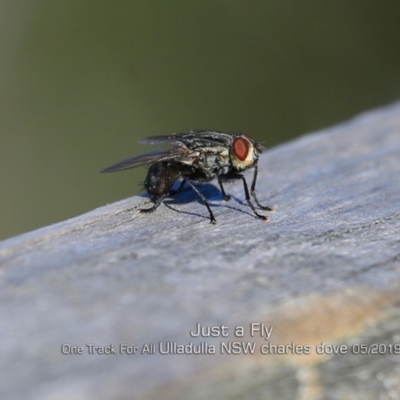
(244, 153)
(216, 158)
(210, 162)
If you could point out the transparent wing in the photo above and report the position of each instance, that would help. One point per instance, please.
(174, 138)
(190, 137)
(147, 158)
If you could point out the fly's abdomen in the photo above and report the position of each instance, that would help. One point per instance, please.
(160, 178)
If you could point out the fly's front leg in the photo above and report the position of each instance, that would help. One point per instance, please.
(248, 199)
(157, 202)
(205, 201)
(253, 191)
(225, 196)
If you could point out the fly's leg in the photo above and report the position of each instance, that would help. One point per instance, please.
(248, 199)
(253, 191)
(173, 192)
(225, 196)
(205, 201)
(157, 202)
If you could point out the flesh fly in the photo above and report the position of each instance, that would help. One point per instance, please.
(197, 157)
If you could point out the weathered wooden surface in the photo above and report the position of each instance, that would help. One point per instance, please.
(326, 268)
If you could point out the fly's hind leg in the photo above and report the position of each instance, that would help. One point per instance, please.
(157, 202)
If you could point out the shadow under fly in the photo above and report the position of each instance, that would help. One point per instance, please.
(187, 195)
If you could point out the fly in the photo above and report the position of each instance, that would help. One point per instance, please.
(197, 157)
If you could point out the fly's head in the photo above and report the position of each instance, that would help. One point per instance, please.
(244, 152)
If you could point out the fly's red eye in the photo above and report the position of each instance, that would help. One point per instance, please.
(241, 148)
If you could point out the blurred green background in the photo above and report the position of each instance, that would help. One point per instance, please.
(82, 80)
